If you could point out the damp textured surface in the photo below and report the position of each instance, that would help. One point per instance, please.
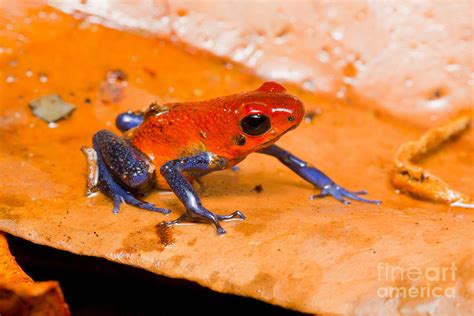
(315, 256)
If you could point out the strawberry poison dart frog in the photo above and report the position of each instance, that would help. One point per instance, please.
(169, 146)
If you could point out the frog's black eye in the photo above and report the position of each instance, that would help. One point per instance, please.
(255, 124)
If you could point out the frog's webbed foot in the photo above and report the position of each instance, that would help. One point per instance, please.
(340, 194)
(316, 177)
(127, 197)
(122, 170)
(204, 162)
(204, 215)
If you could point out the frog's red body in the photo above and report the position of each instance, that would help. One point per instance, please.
(179, 130)
(187, 140)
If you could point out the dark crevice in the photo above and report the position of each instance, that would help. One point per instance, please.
(95, 286)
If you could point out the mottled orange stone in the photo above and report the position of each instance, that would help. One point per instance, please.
(314, 256)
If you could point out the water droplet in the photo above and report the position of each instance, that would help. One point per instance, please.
(341, 93)
(42, 77)
(337, 35)
(281, 35)
(10, 79)
(360, 65)
(441, 103)
(52, 125)
(6, 50)
(323, 56)
(22, 38)
(29, 73)
(452, 67)
(165, 20)
(253, 59)
(348, 80)
(309, 85)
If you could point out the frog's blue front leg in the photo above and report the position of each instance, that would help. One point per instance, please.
(123, 171)
(314, 176)
(196, 165)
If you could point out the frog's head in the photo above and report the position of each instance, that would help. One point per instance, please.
(265, 115)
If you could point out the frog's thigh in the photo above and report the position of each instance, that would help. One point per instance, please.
(127, 164)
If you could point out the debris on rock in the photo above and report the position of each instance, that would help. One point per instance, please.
(258, 188)
(412, 179)
(112, 89)
(51, 108)
(309, 116)
(93, 170)
(116, 75)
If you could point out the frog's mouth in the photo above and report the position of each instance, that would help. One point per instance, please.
(273, 140)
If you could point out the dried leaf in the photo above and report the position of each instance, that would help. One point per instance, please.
(20, 295)
(51, 108)
(417, 181)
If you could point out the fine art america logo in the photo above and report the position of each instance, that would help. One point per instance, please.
(429, 282)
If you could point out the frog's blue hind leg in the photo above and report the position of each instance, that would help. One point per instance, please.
(128, 120)
(123, 171)
(315, 177)
(201, 163)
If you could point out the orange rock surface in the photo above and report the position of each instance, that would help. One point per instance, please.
(313, 256)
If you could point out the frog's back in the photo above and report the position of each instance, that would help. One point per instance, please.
(179, 130)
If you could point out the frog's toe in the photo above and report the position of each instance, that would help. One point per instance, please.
(342, 195)
(355, 196)
(117, 201)
(236, 214)
(183, 218)
(127, 198)
(203, 215)
(146, 206)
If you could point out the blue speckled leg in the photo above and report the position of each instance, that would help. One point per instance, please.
(315, 177)
(123, 170)
(198, 164)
